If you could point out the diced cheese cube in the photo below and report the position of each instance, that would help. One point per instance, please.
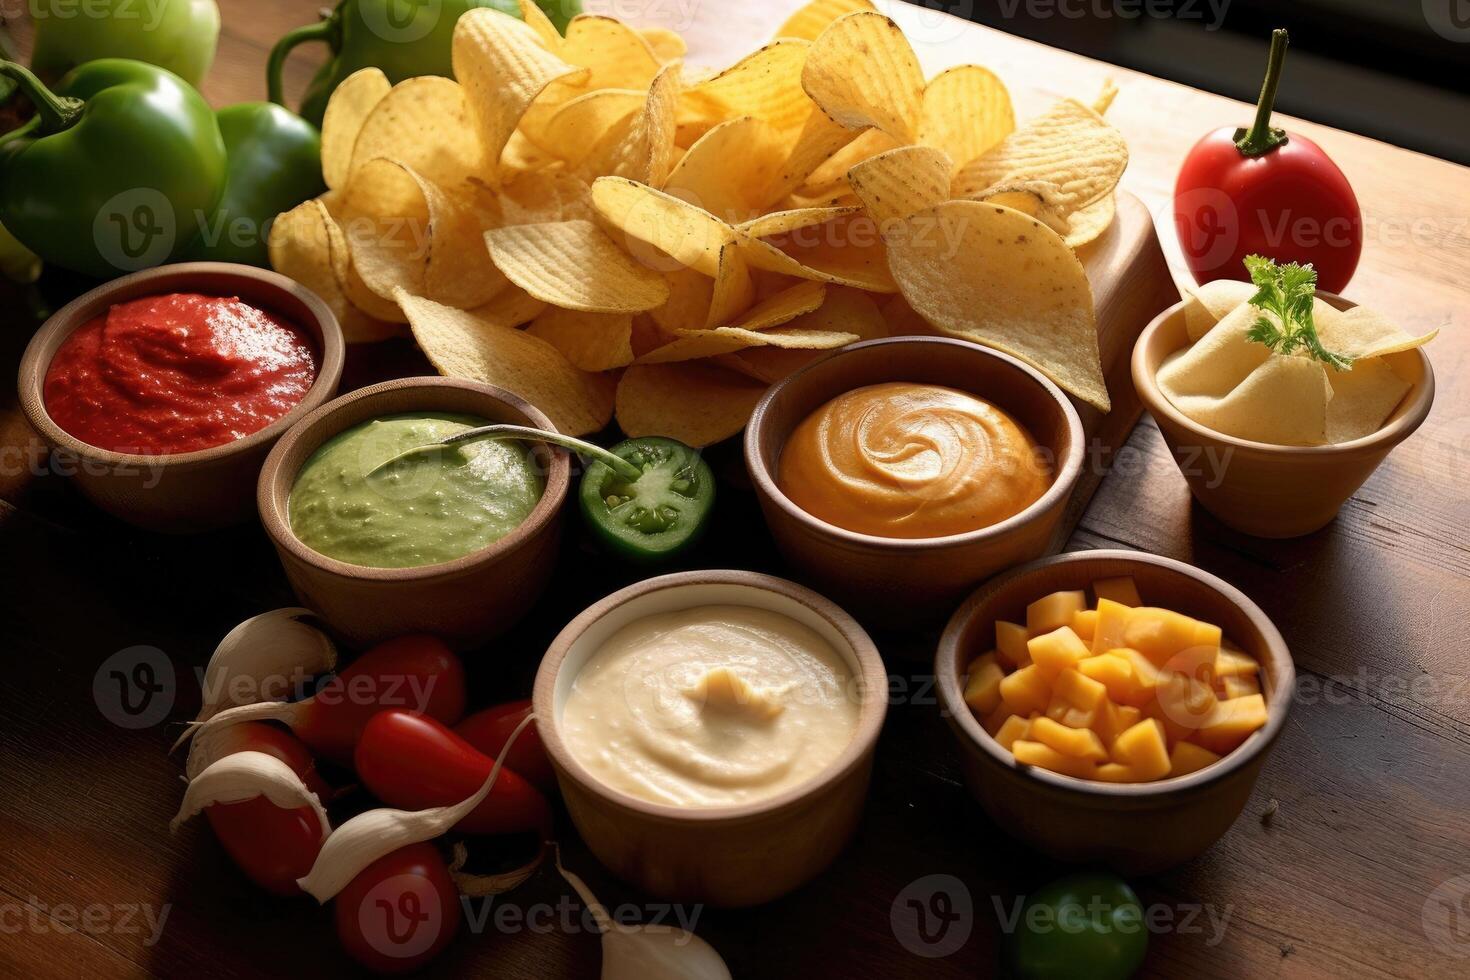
(1054, 611)
(1026, 690)
(1015, 728)
(1188, 757)
(1121, 589)
(1010, 644)
(982, 688)
(1079, 743)
(1080, 691)
(1231, 663)
(1111, 720)
(1113, 772)
(1065, 712)
(1237, 686)
(1143, 749)
(1056, 651)
(1188, 703)
(1032, 753)
(1112, 623)
(1113, 672)
(1084, 624)
(1232, 721)
(992, 722)
(1174, 731)
(1145, 677)
(1159, 633)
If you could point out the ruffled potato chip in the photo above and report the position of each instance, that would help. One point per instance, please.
(966, 111)
(696, 403)
(641, 147)
(1090, 223)
(833, 170)
(902, 182)
(700, 344)
(863, 72)
(1000, 278)
(347, 111)
(667, 45)
(690, 235)
(846, 249)
(614, 54)
(729, 169)
(688, 306)
(765, 84)
(427, 124)
(462, 345)
(575, 127)
(815, 17)
(574, 265)
(536, 19)
(307, 245)
(591, 341)
(819, 139)
(734, 287)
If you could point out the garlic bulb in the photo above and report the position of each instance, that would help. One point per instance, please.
(635, 952)
(259, 660)
(244, 776)
(377, 833)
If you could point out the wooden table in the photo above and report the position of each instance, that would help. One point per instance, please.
(1368, 786)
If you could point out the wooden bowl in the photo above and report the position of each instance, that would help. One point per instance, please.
(1136, 828)
(184, 492)
(1262, 489)
(727, 856)
(910, 581)
(465, 601)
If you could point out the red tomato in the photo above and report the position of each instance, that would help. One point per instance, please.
(1291, 204)
(412, 673)
(487, 731)
(400, 912)
(413, 763)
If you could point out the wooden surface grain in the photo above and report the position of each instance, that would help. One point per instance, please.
(1354, 873)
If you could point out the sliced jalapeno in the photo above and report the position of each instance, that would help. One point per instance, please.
(658, 515)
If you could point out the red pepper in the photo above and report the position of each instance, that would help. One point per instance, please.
(488, 730)
(400, 911)
(414, 763)
(1263, 191)
(271, 845)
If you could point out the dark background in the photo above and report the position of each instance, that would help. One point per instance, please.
(1396, 70)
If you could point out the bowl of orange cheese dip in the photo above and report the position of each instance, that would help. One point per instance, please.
(899, 473)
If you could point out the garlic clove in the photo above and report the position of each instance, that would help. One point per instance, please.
(480, 886)
(377, 833)
(261, 658)
(243, 776)
(283, 711)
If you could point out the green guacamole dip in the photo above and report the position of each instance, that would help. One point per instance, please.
(428, 508)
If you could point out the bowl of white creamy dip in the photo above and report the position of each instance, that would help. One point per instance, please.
(713, 732)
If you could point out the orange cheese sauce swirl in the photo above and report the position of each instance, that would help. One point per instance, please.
(901, 460)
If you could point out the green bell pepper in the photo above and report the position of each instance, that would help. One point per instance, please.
(660, 514)
(17, 263)
(275, 163)
(180, 35)
(1082, 927)
(404, 38)
(114, 170)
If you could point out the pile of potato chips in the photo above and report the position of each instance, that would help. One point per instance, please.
(585, 222)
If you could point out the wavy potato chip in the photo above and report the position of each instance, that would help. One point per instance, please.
(536, 19)
(347, 111)
(734, 287)
(427, 124)
(688, 306)
(574, 265)
(1069, 146)
(667, 45)
(700, 344)
(511, 307)
(461, 344)
(541, 196)
(847, 249)
(615, 55)
(728, 170)
(898, 183)
(690, 235)
(307, 245)
(575, 127)
(765, 84)
(820, 138)
(503, 65)
(863, 72)
(1088, 225)
(1002, 279)
(966, 110)
(591, 341)
(641, 147)
(834, 169)
(698, 404)
(815, 17)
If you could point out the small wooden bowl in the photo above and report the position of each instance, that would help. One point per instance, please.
(465, 601)
(1137, 828)
(729, 856)
(185, 492)
(909, 581)
(1262, 489)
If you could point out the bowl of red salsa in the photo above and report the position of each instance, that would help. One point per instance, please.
(161, 393)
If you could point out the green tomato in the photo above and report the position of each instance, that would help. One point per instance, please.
(179, 35)
(1082, 927)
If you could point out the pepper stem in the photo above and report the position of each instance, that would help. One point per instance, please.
(613, 461)
(1261, 138)
(324, 30)
(54, 112)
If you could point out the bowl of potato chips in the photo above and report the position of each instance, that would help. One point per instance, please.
(587, 221)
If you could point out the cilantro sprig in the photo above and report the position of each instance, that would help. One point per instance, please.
(1288, 291)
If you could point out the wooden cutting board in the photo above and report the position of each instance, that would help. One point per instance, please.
(1131, 284)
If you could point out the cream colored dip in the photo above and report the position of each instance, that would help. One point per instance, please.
(711, 706)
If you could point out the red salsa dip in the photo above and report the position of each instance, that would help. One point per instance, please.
(178, 373)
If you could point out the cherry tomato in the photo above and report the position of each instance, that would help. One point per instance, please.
(413, 763)
(1263, 191)
(488, 730)
(400, 912)
(1083, 927)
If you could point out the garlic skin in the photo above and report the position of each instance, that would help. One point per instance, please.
(260, 652)
(243, 776)
(632, 952)
(377, 833)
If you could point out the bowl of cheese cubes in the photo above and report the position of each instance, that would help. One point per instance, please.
(1113, 707)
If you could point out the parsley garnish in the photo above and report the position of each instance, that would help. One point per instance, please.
(1288, 291)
